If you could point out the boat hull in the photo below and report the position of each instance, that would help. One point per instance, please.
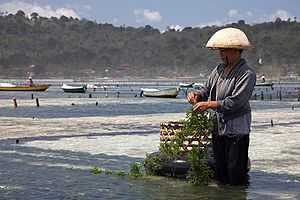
(37, 88)
(264, 84)
(166, 93)
(186, 85)
(75, 90)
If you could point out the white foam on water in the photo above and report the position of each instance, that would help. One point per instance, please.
(27, 127)
(121, 145)
(276, 148)
(276, 195)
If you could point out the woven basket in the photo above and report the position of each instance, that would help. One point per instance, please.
(168, 131)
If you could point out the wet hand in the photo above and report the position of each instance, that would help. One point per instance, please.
(192, 97)
(204, 105)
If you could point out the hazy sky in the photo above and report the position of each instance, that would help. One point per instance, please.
(160, 13)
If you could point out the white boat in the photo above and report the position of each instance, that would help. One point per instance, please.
(186, 85)
(198, 85)
(264, 84)
(162, 93)
(74, 89)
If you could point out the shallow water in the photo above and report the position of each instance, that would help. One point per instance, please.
(60, 142)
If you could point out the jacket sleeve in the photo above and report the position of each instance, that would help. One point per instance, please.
(241, 94)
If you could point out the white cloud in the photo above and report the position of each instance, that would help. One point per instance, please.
(212, 23)
(45, 11)
(152, 15)
(282, 14)
(176, 27)
(66, 12)
(233, 13)
(147, 15)
(237, 14)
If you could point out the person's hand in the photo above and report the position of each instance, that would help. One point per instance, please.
(204, 105)
(192, 97)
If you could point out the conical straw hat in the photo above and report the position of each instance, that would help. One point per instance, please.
(229, 38)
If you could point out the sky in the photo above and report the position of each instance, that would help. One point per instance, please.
(160, 13)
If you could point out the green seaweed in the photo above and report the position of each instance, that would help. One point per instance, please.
(120, 173)
(135, 170)
(197, 157)
(152, 164)
(108, 172)
(199, 172)
(96, 170)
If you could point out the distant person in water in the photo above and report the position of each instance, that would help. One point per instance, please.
(30, 81)
(263, 79)
(228, 91)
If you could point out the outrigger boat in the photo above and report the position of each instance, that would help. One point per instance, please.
(23, 87)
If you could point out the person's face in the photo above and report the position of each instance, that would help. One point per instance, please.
(229, 56)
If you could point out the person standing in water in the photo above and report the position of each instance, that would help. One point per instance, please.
(227, 91)
(30, 81)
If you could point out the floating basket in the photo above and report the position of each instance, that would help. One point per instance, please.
(168, 131)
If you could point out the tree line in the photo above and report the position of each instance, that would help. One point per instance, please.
(67, 47)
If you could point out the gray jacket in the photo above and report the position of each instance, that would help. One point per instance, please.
(231, 91)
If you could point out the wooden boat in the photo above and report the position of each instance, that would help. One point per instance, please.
(74, 89)
(23, 87)
(186, 85)
(264, 84)
(162, 93)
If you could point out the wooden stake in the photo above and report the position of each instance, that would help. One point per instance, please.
(37, 102)
(15, 102)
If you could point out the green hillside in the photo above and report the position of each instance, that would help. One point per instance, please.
(66, 48)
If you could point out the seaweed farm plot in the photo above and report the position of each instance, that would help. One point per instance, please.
(48, 152)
